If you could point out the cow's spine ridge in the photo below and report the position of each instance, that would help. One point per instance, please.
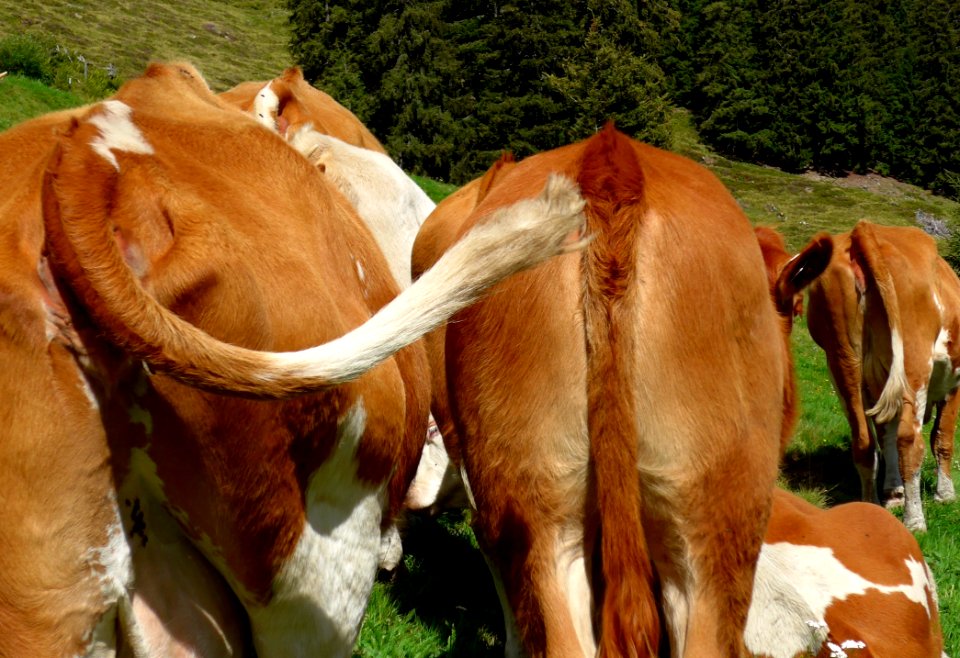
(612, 183)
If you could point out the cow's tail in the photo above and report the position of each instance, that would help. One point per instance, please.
(612, 183)
(80, 241)
(865, 254)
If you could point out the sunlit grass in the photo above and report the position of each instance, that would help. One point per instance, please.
(230, 41)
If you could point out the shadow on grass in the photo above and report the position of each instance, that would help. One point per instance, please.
(445, 582)
(828, 468)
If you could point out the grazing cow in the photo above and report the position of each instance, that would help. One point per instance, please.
(142, 232)
(288, 102)
(848, 575)
(625, 409)
(887, 314)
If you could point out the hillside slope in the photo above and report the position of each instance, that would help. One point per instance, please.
(229, 41)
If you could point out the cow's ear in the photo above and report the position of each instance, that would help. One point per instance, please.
(802, 270)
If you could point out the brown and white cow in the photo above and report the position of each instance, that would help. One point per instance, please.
(624, 409)
(288, 102)
(389, 202)
(850, 577)
(191, 522)
(887, 314)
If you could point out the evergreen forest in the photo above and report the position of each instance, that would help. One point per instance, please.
(834, 86)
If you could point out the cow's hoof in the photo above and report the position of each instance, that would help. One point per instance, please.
(915, 525)
(945, 498)
(893, 499)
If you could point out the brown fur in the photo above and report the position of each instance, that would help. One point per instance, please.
(895, 271)
(870, 542)
(302, 103)
(516, 387)
(226, 257)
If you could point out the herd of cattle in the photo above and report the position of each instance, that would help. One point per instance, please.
(223, 320)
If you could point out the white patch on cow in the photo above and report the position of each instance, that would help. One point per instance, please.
(112, 566)
(265, 107)
(797, 584)
(360, 273)
(677, 614)
(920, 407)
(117, 133)
(321, 592)
(391, 548)
(432, 470)
(571, 573)
(88, 393)
(912, 505)
(390, 203)
(943, 377)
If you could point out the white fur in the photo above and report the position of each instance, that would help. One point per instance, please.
(265, 107)
(117, 132)
(572, 574)
(112, 566)
(912, 505)
(516, 237)
(389, 202)
(795, 585)
(436, 476)
(321, 592)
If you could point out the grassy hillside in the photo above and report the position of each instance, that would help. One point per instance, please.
(442, 602)
(229, 40)
(24, 98)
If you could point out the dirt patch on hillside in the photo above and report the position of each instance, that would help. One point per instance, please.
(869, 182)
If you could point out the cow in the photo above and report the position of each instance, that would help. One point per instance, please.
(393, 207)
(390, 203)
(847, 577)
(170, 487)
(887, 313)
(288, 102)
(624, 409)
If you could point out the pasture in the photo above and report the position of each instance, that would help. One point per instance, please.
(441, 601)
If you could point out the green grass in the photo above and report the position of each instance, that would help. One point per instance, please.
(441, 602)
(24, 98)
(230, 41)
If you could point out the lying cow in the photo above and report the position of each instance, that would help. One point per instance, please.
(851, 576)
(624, 409)
(887, 313)
(288, 102)
(162, 237)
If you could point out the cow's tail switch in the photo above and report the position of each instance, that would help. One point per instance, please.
(612, 183)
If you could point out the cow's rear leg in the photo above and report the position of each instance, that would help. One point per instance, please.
(542, 579)
(910, 453)
(705, 561)
(941, 445)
